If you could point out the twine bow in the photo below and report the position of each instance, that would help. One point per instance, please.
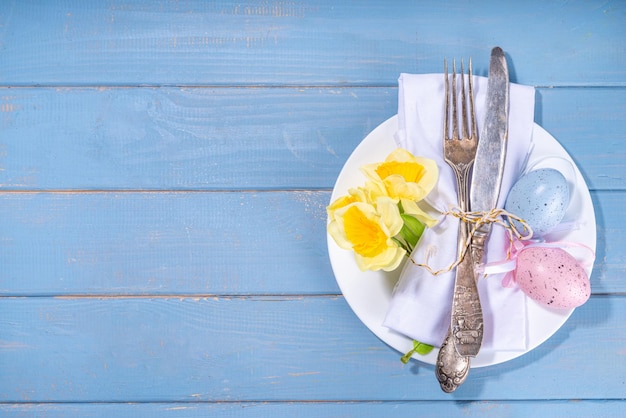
(477, 219)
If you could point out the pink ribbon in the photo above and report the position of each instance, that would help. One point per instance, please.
(509, 265)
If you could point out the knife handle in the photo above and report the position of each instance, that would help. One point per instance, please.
(477, 247)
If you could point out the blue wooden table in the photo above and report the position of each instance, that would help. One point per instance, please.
(164, 172)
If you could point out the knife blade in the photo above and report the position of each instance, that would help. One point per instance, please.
(491, 152)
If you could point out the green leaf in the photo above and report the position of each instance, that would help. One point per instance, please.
(419, 348)
(423, 349)
(402, 244)
(409, 238)
(412, 229)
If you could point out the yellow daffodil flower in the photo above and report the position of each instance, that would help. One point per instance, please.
(383, 220)
(368, 230)
(404, 176)
(353, 196)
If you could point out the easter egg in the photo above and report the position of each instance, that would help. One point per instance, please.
(552, 277)
(540, 198)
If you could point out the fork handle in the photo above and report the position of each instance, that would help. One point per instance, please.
(451, 368)
(466, 323)
(466, 320)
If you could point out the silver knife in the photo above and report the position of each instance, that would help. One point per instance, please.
(491, 152)
(467, 323)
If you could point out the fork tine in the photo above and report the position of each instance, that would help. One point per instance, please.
(455, 120)
(471, 100)
(464, 122)
(446, 111)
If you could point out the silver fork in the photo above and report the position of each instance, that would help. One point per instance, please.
(453, 360)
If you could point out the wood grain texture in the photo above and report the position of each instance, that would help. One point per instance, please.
(183, 138)
(164, 243)
(351, 409)
(164, 171)
(319, 42)
(286, 138)
(271, 348)
(222, 243)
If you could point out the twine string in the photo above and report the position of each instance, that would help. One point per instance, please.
(477, 219)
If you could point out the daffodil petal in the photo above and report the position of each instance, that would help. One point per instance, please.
(431, 173)
(412, 208)
(339, 203)
(387, 261)
(390, 213)
(403, 175)
(354, 195)
(335, 230)
(400, 154)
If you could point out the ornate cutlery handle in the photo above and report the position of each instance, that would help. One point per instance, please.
(452, 365)
(466, 323)
(451, 368)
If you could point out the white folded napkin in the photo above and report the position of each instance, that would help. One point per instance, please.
(420, 305)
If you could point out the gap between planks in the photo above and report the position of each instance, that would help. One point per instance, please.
(596, 85)
(159, 191)
(182, 296)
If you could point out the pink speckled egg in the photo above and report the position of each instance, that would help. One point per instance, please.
(552, 277)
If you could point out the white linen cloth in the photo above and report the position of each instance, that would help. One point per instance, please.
(421, 303)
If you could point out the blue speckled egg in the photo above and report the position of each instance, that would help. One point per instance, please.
(540, 198)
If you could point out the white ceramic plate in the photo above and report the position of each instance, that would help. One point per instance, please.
(369, 293)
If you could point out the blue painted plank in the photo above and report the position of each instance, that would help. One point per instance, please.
(591, 126)
(272, 349)
(389, 409)
(200, 243)
(180, 138)
(164, 243)
(303, 43)
(291, 138)
(610, 266)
